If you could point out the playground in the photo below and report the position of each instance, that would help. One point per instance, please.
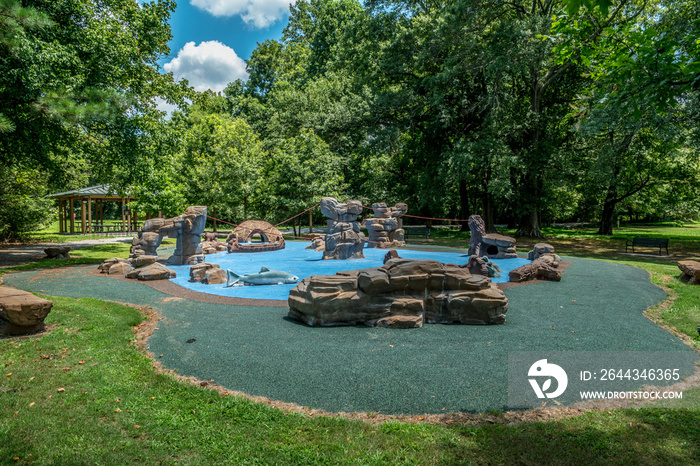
(259, 351)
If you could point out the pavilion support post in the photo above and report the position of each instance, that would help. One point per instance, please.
(124, 216)
(311, 221)
(135, 221)
(71, 214)
(83, 216)
(100, 214)
(65, 216)
(128, 216)
(60, 216)
(89, 212)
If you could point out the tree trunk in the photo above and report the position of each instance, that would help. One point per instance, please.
(463, 204)
(530, 226)
(608, 216)
(488, 213)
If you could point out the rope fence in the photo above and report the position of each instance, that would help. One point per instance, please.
(318, 204)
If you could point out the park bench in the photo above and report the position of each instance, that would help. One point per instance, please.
(661, 243)
(417, 231)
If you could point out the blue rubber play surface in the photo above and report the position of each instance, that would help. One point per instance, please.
(303, 263)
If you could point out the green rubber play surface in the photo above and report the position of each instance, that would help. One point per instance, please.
(597, 306)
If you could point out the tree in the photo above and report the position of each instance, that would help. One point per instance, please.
(78, 81)
(221, 165)
(302, 171)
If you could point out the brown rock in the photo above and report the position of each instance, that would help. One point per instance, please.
(155, 271)
(141, 261)
(536, 269)
(198, 272)
(119, 268)
(23, 310)
(690, 271)
(107, 264)
(392, 254)
(215, 276)
(402, 293)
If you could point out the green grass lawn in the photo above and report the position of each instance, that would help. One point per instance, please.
(85, 393)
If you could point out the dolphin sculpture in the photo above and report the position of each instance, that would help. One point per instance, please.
(264, 277)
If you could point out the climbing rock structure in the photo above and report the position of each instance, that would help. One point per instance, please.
(386, 228)
(187, 229)
(403, 293)
(492, 245)
(344, 239)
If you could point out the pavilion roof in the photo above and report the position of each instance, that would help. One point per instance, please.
(102, 190)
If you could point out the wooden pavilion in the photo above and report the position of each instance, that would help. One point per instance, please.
(90, 223)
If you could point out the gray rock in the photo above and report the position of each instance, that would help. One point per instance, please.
(344, 239)
(57, 252)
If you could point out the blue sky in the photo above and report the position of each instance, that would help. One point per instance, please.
(212, 38)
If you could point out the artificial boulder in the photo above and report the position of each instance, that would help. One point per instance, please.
(403, 293)
(186, 229)
(212, 245)
(57, 252)
(151, 272)
(115, 266)
(344, 239)
(386, 228)
(540, 249)
(208, 274)
(22, 312)
(482, 266)
(317, 244)
(544, 268)
(690, 271)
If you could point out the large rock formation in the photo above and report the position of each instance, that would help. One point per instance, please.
(386, 228)
(497, 246)
(344, 239)
(402, 293)
(491, 245)
(478, 230)
(22, 312)
(241, 238)
(186, 228)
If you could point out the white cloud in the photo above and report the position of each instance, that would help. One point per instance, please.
(163, 106)
(209, 65)
(260, 13)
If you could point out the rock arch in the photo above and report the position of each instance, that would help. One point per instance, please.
(241, 238)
